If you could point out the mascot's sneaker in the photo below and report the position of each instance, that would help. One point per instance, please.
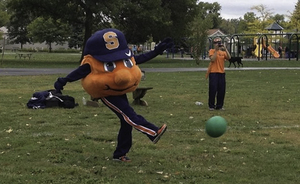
(160, 132)
(122, 159)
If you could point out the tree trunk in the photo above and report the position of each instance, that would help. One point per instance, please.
(50, 47)
(88, 29)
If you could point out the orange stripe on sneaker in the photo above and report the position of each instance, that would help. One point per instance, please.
(128, 120)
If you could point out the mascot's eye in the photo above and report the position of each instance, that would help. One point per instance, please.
(109, 67)
(128, 63)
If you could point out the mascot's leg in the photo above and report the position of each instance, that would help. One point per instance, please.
(124, 140)
(129, 119)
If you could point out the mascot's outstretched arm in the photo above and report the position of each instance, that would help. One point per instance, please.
(79, 73)
(158, 49)
(84, 70)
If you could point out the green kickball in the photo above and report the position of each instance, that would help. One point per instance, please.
(216, 126)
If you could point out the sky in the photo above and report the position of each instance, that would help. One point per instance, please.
(232, 9)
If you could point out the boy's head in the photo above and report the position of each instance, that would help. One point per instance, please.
(218, 41)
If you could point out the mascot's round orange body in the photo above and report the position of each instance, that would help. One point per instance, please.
(111, 78)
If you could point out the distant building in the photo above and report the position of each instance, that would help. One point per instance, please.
(212, 33)
(215, 33)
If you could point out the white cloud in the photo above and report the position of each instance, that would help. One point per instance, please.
(237, 8)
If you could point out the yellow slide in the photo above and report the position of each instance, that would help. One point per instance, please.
(270, 49)
(256, 51)
(273, 51)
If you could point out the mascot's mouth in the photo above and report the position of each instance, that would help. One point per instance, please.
(108, 88)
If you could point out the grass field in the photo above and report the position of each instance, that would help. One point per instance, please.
(75, 145)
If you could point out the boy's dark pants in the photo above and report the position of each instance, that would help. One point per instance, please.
(217, 87)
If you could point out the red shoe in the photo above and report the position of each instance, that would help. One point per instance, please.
(160, 132)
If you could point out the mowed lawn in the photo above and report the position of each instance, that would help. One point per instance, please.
(75, 145)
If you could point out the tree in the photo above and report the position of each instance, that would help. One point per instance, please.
(4, 16)
(241, 25)
(138, 19)
(253, 23)
(91, 14)
(182, 13)
(48, 30)
(199, 28)
(278, 18)
(211, 12)
(198, 38)
(137, 24)
(75, 39)
(17, 26)
(229, 26)
(295, 18)
(171, 16)
(265, 13)
(250, 17)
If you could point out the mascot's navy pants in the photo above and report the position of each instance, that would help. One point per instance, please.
(129, 119)
(217, 86)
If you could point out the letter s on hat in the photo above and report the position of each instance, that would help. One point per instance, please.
(111, 40)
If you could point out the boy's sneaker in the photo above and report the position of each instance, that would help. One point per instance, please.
(122, 159)
(160, 132)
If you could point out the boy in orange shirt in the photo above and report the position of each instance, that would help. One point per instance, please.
(216, 72)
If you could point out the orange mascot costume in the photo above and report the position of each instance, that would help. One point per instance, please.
(108, 71)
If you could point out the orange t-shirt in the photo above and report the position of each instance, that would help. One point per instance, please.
(218, 65)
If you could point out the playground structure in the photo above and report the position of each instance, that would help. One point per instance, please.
(261, 46)
(259, 49)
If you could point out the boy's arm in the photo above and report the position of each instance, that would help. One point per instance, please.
(227, 53)
(213, 55)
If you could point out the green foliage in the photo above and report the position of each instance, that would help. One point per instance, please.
(256, 23)
(168, 15)
(174, 17)
(76, 145)
(180, 18)
(211, 11)
(17, 26)
(48, 30)
(198, 39)
(250, 17)
(4, 16)
(128, 16)
(75, 37)
(206, 18)
(295, 18)
(278, 18)
(264, 12)
(132, 16)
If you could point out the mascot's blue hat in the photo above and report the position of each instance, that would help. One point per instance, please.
(108, 45)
